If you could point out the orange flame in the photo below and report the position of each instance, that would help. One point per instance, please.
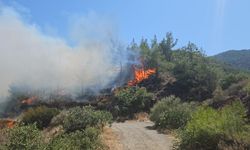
(29, 101)
(140, 75)
(9, 123)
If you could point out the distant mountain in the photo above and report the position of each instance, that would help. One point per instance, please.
(239, 59)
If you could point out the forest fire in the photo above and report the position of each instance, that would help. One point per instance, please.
(140, 75)
(7, 123)
(29, 101)
(10, 123)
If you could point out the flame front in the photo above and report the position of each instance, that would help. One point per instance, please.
(29, 101)
(7, 123)
(140, 75)
(10, 123)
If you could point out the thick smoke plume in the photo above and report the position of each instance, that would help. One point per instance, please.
(31, 58)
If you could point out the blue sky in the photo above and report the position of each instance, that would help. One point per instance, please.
(214, 25)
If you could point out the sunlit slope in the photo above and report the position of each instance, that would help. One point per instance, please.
(236, 58)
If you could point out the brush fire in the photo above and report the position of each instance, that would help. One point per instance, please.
(29, 101)
(141, 74)
(9, 123)
(62, 100)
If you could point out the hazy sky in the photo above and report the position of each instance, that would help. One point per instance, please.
(214, 25)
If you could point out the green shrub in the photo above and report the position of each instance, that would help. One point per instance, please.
(81, 118)
(86, 140)
(218, 94)
(209, 127)
(58, 119)
(233, 118)
(201, 131)
(3, 138)
(104, 118)
(131, 100)
(247, 88)
(24, 137)
(171, 113)
(40, 115)
(236, 89)
(231, 79)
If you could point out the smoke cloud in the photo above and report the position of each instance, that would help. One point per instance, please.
(32, 58)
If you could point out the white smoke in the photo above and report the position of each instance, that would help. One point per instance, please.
(27, 56)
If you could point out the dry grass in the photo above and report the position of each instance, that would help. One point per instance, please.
(50, 133)
(111, 140)
(3, 137)
(141, 117)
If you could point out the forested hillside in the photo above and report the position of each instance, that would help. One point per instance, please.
(206, 103)
(236, 58)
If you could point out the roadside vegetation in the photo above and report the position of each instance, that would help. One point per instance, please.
(205, 102)
(41, 116)
(171, 113)
(216, 129)
(81, 129)
(131, 100)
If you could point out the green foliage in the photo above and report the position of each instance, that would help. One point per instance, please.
(131, 100)
(196, 76)
(40, 115)
(171, 113)
(166, 46)
(209, 127)
(195, 80)
(236, 58)
(87, 139)
(157, 56)
(247, 88)
(236, 89)
(82, 125)
(58, 119)
(201, 131)
(218, 94)
(80, 118)
(144, 47)
(3, 138)
(230, 79)
(24, 138)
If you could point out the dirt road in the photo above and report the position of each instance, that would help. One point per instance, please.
(135, 135)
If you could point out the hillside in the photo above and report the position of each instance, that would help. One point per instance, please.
(235, 58)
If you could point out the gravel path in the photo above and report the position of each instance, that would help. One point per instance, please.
(135, 135)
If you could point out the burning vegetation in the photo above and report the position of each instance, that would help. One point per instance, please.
(141, 74)
(185, 73)
(29, 101)
(7, 123)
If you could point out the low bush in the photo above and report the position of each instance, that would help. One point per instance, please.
(24, 137)
(208, 128)
(131, 100)
(218, 95)
(3, 138)
(231, 79)
(40, 115)
(58, 119)
(88, 139)
(247, 88)
(80, 118)
(171, 113)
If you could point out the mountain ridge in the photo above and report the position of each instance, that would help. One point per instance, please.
(239, 59)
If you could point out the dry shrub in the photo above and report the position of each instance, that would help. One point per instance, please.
(142, 116)
(40, 115)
